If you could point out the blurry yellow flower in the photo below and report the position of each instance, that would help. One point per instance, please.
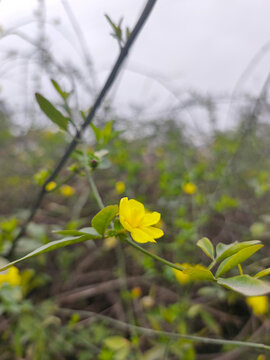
(120, 187)
(138, 222)
(258, 304)
(110, 243)
(136, 292)
(181, 277)
(50, 186)
(67, 190)
(11, 277)
(189, 188)
(147, 302)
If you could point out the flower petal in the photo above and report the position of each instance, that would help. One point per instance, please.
(141, 237)
(136, 213)
(153, 231)
(124, 206)
(151, 219)
(124, 223)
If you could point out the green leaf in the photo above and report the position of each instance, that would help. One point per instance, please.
(57, 87)
(262, 273)
(107, 132)
(52, 113)
(97, 132)
(116, 342)
(224, 251)
(83, 231)
(198, 272)
(207, 247)
(69, 232)
(236, 259)
(246, 285)
(102, 220)
(52, 246)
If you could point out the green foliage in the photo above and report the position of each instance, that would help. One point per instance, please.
(118, 32)
(53, 245)
(246, 285)
(236, 259)
(197, 272)
(52, 113)
(153, 164)
(57, 87)
(102, 220)
(207, 247)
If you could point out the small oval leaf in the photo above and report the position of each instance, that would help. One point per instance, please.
(236, 259)
(224, 250)
(246, 285)
(51, 112)
(262, 273)
(102, 220)
(207, 247)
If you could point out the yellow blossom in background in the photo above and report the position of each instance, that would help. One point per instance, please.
(148, 302)
(136, 292)
(189, 188)
(120, 187)
(67, 190)
(12, 277)
(258, 304)
(50, 186)
(181, 277)
(110, 243)
(138, 222)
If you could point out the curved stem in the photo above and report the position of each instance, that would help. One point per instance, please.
(156, 257)
(150, 332)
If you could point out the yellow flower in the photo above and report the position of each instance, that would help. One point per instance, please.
(189, 188)
(67, 190)
(136, 292)
(181, 277)
(138, 222)
(11, 277)
(50, 186)
(258, 304)
(120, 187)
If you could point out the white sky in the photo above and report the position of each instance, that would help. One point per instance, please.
(202, 45)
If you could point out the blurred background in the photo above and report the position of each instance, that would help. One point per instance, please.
(186, 131)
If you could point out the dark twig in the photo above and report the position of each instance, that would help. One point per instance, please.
(109, 82)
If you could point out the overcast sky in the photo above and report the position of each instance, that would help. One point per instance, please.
(202, 45)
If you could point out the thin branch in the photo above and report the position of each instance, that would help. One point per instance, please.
(153, 333)
(109, 82)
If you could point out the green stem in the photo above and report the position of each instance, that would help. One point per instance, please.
(150, 332)
(213, 263)
(156, 257)
(95, 191)
(240, 269)
(91, 181)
